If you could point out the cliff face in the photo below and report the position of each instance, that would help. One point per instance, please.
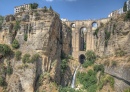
(37, 31)
(113, 36)
(112, 46)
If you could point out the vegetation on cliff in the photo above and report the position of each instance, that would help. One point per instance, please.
(1, 21)
(33, 5)
(90, 58)
(5, 50)
(15, 44)
(18, 55)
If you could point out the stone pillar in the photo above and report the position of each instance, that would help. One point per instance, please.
(88, 41)
(77, 42)
(92, 41)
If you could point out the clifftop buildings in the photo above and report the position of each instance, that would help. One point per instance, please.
(20, 8)
(120, 11)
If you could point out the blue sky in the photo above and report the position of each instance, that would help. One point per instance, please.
(70, 9)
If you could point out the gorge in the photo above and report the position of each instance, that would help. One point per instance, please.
(41, 53)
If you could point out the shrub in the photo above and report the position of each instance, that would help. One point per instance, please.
(15, 44)
(69, 57)
(1, 21)
(111, 81)
(25, 37)
(26, 58)
(100, 85)
(18, 55)
(114, 63)
(9, 70)
(127, 90)
(64, 64)
(67, 89)
(92, 88)
(127, 16)
(99, 68)
(90, 55)
(87, 63)
(120, 53)
(2, 82)
(107, 37)
(87, 80)
(5, 50)
(17, 26)
(34, 58)
(114, 27)
(96, 32)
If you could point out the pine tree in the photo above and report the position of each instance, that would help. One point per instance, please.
(50, 8)
(125, 7)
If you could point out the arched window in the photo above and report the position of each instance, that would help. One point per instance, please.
(94, 25)
(82, 39)
(73, 25)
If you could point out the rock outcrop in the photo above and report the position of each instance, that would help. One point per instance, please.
(37, 31)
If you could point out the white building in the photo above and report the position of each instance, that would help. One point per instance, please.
(128, 5)
(64, 19)
(20, 8)
(120, 11)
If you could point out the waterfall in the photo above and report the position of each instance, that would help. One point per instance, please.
(74, 76)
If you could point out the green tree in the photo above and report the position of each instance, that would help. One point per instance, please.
(45, 9)
(50, 8)
(125, 7)
(33, 5)
(15, 44)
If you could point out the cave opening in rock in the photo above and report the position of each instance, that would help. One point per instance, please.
(81, 58)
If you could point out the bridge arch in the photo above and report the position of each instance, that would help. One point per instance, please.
(82, 38)
(72, 25)
(81, 58)
(94, 25)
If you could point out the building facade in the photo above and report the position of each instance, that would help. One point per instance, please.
(21, 8)
(128, 5)
(116, 12)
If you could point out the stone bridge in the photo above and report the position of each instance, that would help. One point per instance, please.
(82, 35)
